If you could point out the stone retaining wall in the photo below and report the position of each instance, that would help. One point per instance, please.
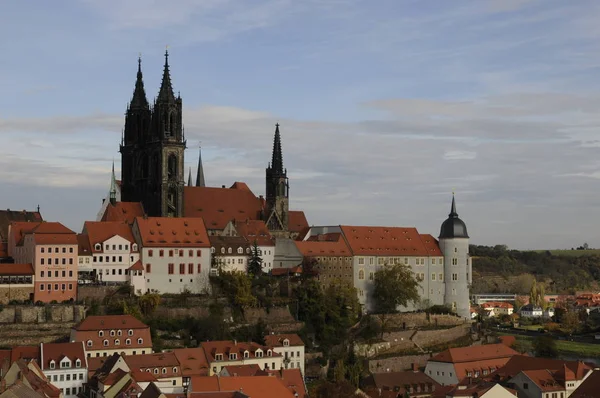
(396, 364)
(38, 315)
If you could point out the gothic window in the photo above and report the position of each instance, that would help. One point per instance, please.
(172, 166)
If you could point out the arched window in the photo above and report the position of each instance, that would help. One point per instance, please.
(172, 166)
(128, 342)
(140, 341)
(130, 332)
(229, 250)
(361, 274)
(117, 342)
(164, 370)
(112, 333)
(246, 354)
(240, 250)
(105, 343)
(269, 353)
(89, 343)
(175, 370)
(101, 333)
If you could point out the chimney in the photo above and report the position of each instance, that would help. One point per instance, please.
(222, 186)
(415, 367)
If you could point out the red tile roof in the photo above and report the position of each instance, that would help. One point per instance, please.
(475, 353)
(226, 347)
(324, 245)
(242, 370)
(518, 363)
(44, 233)
(123, 211)
(283, 271)
(137, 266)
(36, 379)
(58, 351)
(100, 231)
(192, 361)
(544, 380)
(256, 386)
(16, 269)
(297, 221)
(276, 340)
(10, 216)
(589, 387)
(25, 352)
(107, 322)
(83, 245)
(507, 340)
(172, 232)
(218, 206)
(496, 304)
(165, 362)
(389, 241)
(225, 242)
(255, 230)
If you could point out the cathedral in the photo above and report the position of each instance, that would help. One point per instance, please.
(152, 171)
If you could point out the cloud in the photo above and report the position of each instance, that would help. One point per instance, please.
(460, 155)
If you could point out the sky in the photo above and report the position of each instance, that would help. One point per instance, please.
(386, 107)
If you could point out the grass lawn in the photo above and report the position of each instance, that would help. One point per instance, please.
(573, 253)
(569, 347)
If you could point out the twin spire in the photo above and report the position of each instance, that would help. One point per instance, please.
(165, 94)
(199, 173)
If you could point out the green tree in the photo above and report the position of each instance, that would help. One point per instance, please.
(570, 321)
(522, 346)
(148, 303)
(394, 286)
(237, 287)
(533, 293)
(255, 261)
(545, 346)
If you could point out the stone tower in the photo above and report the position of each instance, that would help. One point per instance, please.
(153, 150)
(277, 191)
(454, 243)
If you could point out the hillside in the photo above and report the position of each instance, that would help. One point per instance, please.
(497, 269)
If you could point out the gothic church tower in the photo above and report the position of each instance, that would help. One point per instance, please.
(277, 191)
(153, 150)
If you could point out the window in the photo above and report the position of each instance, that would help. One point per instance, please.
(52, 364)
(175, 370)
(199, 268)
(180, 253)
(433, 261)
(42, 250)
(455, 250)
(49, 287)
(117, 342)
(454, 261)
(105, 343)
(112, 333)
(42, 286)
(101, 333)
(258, 354)
(454, 276)
(181, 269)
(170, 253)
(433, 276)
(440, 277)
(155, 371)
(56, 286)
(89, 343)
(63, 287)
(371, 276)
(232, 356)
(218, 357)
(128, 342)
(286, 343)
(130, 332)
(270, 353)
(361, 261)
(42, 262)
(150, 252)
(164, 370)
(148, 268)
(199, 253)
(42, 273)
(140, 341)
(190, 268)
(361, 274)
(171, 268)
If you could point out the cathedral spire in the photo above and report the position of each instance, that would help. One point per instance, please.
(190, 178)
(113, 186)
(139, 94)
(277, 160)
(200, 173)
(166, 89)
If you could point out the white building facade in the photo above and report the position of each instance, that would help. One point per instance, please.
(65, 366)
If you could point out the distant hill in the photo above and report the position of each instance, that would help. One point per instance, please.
(497, 269)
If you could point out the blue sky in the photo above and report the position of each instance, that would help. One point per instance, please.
(385, 106)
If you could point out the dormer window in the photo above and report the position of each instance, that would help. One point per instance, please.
(232, 356)
(222, 250)
(105, 343)
(101, 333)
(258, 354)
(133, 247)
(112, 333)
(229, 250)
(155, 371)
(117, 342)
(286, 343)
(97, 246)
(52, 364)
(140, 341)
(130, 332)
(119, 332)
(164, 370)
(128, 342)
(218, 357)
(269, 353)
(65, 365)
(175, 370)
(78, 363)
(89, 343)
(248, 250)
(246, 354)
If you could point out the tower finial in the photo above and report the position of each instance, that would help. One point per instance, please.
(453, 212)
(166, 89)
(200, 173)
(113, 186)
(277, 157)
(139, 94)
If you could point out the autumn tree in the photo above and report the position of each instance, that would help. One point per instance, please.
(394, 286)
(545, 346)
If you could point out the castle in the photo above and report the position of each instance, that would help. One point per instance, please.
(152, 168)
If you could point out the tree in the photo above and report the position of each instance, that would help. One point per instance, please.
(255, 261)
(570, 321)
(237, 286)
(394, 286)
(545, 346)
(148, 303)
(533, 293)
(522, 346)
(327, 389)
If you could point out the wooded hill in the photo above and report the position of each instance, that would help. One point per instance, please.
(497, 269)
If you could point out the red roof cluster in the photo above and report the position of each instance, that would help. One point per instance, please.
(100, 231)
(16, 269)
(255, 231)
(123, 212)
(389, 241)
